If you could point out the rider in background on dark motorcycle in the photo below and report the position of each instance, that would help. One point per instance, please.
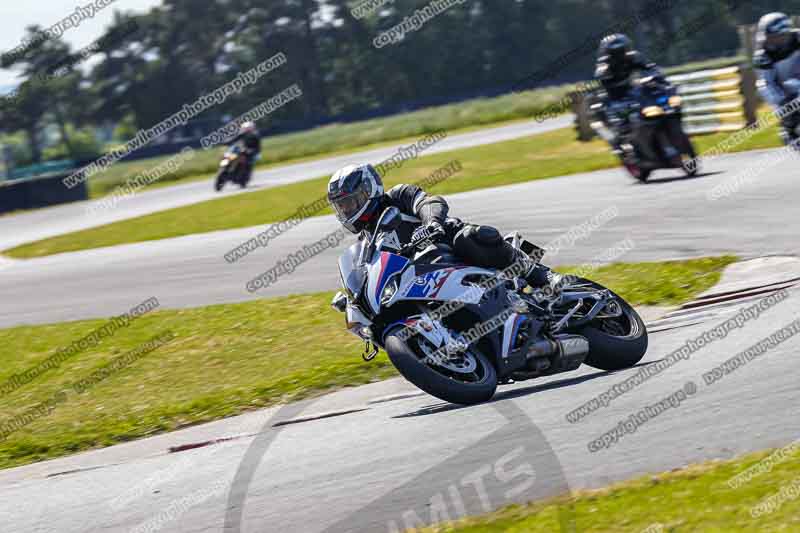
(251, 139)
(357, 196)
(777, 57)
(617, 62)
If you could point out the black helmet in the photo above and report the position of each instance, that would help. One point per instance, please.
(614, 48)
(776, 33)
(355, 194)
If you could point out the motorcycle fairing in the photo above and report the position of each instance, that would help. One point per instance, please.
(437, 284)
(428, 285)
(442, 285)
(382, 268)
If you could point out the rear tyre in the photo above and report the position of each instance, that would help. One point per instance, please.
(690, 166)
(466, 389)
(244, 179)
(618, 343)
(637, 172)
(688, 158)
(690, 163)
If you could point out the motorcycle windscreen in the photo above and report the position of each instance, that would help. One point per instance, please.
(353, 276)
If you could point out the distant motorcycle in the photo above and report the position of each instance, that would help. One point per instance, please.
(652, 131)
(234, 168)
(456, 331)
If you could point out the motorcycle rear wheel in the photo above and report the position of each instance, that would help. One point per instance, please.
(243, 179)
(637, 172)
(690, 165)
(615, 344)
(407, 356)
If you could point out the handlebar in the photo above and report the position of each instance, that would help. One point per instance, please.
(415, 245)
(411, 247)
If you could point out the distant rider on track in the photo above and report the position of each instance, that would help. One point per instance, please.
(777, 57)
(617, 62)
(251, 139)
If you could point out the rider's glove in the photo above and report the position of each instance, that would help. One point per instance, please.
(431, 232)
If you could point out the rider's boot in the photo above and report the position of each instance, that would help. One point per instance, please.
(543, 281)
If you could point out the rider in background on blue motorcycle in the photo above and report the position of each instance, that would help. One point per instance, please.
(777, 57)
(617, 62)
(357, 196)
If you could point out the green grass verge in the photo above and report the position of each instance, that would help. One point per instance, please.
(664, 283)
(696, 498)
(541, 156)
(225, 359)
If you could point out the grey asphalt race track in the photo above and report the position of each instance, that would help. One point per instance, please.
(670, 217)
(44, 223)
(372, 469)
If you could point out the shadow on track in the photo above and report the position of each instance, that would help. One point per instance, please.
(682, 177)
(516, 393)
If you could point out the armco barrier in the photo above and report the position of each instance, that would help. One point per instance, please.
(39, 192)
(717, 100)
(714, 101)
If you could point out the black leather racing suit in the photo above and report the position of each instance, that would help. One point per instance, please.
(617, 82)
(252, 146)
(481, 246)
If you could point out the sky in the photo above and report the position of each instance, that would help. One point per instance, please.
(16, 15)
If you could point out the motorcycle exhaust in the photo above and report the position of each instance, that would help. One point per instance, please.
(562, 354)
(573, 351)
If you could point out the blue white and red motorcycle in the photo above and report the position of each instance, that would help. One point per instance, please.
(457, 331)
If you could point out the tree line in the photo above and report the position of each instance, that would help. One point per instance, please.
(149, 64)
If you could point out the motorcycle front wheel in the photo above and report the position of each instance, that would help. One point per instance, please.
(219, 183)
(467, 379)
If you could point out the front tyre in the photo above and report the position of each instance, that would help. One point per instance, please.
(219, 183)
(615, 343)
(467, 381)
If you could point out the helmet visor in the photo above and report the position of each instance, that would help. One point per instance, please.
(617, 53)
(348, 207)
(778, 41)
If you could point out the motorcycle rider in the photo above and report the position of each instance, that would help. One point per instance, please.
(357, 196)
(251, 139)
(617, 61)
(778, 61)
